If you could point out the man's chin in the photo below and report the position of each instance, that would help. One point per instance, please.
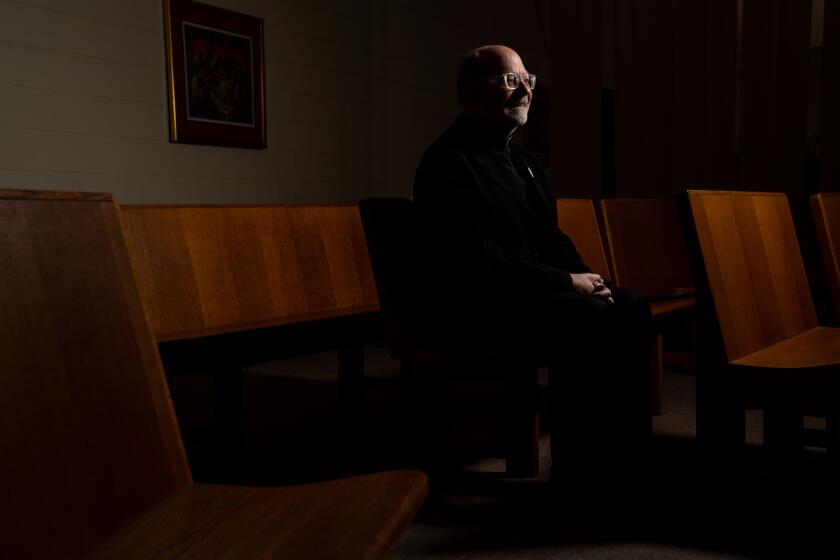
(517, 116)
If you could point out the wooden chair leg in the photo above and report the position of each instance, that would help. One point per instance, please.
(351, 366)
(656, 375)
(227, 379)
(721, 426)
(428, 395)
(522, 394)
(832, 439)
(783, 433)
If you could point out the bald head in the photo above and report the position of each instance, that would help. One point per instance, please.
(483, 96)
(483, 61)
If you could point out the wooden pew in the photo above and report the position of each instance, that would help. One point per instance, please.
(826, 211)
(93, 463)
(223, 285)
(648, 255)
(758, 341)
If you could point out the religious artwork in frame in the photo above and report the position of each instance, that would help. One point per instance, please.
(216, 77)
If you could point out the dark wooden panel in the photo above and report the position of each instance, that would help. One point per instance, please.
(829, 156)
(717, 156)
(643, 102)
(773, 107)
(89, 439)
(674, 95)
(826, 211)
(576, 97)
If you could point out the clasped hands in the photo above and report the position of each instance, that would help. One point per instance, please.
(589, 284)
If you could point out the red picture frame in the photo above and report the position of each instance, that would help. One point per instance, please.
(215, 75)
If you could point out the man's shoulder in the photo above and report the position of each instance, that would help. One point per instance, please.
(450, 147)
(451, 141)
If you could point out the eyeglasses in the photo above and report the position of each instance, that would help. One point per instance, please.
(512, 80)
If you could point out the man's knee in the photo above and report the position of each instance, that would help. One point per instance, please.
(633, 310)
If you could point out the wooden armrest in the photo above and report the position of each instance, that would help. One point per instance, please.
(664, 307)
(356, 517)
(671, 293)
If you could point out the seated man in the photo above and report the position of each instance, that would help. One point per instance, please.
(511, 280)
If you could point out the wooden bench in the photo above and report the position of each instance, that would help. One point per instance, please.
(648, 255)
(224, 286)
(93, 462)
(577, 218)
(826, 210)
(759, 344)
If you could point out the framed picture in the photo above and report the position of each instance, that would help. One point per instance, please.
(216, 76)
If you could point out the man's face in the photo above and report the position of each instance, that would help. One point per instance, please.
(497, 105)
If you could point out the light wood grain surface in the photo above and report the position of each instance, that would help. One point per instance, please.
(815, 348)
(213, 269)
(646, 246)
(576, 217)
(357, 517)
(755, 270)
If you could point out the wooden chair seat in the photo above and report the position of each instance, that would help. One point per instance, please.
(659, 308)
(350, 518)
(815, 349)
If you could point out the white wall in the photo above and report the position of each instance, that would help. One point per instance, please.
(355, 91)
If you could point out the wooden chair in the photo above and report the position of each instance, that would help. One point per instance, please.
(648, 255)
(93, 463)
(826, 210)
(576, 217)
(390, 226)
(758, 341)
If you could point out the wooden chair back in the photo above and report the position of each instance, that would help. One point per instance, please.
(745, 258)
(826, 210)
(576, 217)
(213, 269)
(88, 435)
(391, 229)
(646, 246)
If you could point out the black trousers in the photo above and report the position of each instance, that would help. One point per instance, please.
(599, 356)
